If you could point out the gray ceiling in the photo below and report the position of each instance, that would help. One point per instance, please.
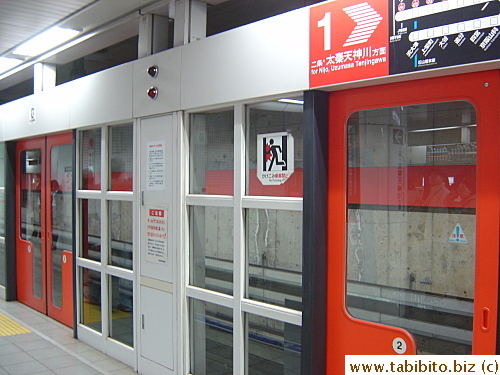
(22, 19)
(113, 21)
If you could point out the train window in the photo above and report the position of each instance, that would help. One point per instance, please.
(411, 221)
(212, 151)
(274, 142)
(91, 159)
(211, 250)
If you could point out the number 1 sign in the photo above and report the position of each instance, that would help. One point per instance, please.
(349, 41)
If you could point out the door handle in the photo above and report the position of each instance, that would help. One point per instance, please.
(485, 319)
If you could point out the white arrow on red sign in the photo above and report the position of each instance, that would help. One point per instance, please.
(367, 19)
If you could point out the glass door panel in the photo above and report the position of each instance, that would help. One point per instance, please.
(44, 241)
(411, 221)
(60, 229)
(413, 233)
(30, 248)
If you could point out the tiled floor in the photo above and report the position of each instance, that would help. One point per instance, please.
(49, 348)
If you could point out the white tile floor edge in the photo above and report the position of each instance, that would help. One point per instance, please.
(57, 344)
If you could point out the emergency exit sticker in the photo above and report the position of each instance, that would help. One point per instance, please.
(275, 158)
(348, 41)
(458, 235)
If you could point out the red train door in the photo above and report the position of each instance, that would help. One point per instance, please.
(44, 228)
(413, 227)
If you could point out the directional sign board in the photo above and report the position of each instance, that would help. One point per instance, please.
(428, 34)
(398, 136)
(353, 40)
(348, 40)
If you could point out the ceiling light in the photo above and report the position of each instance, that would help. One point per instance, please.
(8, 63)
(438, 129)
(291, 101)
(45, 41)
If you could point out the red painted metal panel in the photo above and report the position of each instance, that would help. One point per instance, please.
(347, 335)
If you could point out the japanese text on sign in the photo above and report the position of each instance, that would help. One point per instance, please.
(156, 165)
(156, 235)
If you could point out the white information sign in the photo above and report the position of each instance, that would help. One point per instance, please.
(156, 235)
(156, 165)
(275, 158)
(32, 116)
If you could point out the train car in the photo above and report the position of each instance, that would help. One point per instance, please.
(264, 200)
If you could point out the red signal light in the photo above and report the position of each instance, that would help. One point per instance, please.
(153, 92)
(153, 71)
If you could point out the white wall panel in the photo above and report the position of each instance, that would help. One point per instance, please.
(2, 123)
(16, 118)
(101, 97)
(263, 58)
(52, 110)
(51, 114)
(167, 81)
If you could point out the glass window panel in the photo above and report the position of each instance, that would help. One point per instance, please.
(121, 229)
(91, 229)
(61, 183)
(121, 157)
(122, 305)
(2, 189)
(211, 248)
(211, 329)
(273, 346)
(31, 216)
(274, 243)
(2, 214)
(3, 266)
(265, 119)
(91, 299)
(412, 223)
(212, 149)
(91, 159)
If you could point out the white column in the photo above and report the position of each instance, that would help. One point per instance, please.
(239, 279)
(190, 21)
(44, 77)
(153, 34)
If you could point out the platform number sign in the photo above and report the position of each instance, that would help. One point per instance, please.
(275, 157)
(348, 41)
(399, 345)
(353, 40)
